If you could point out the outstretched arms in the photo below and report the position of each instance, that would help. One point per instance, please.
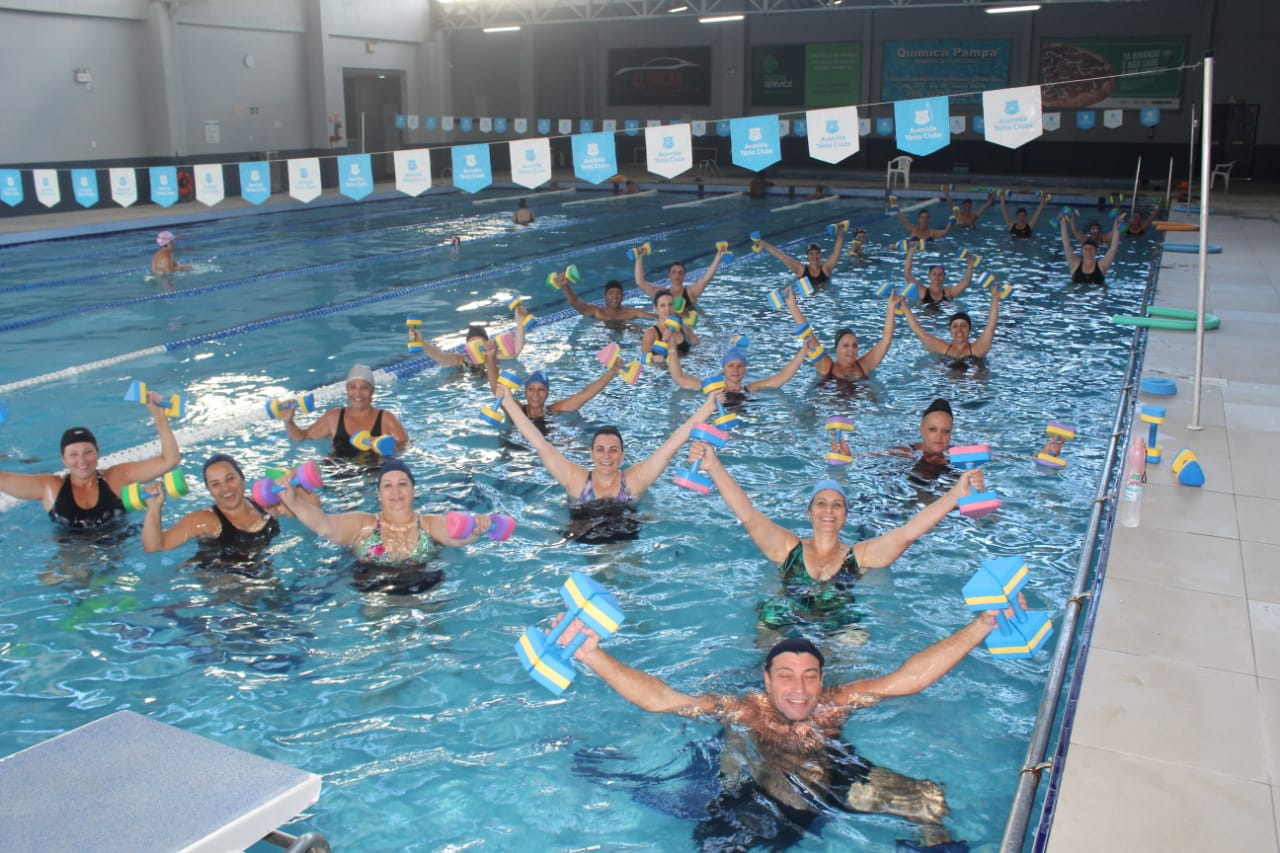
(931, 342)
(773, 540)
(568, 474)
(884, 549)
(876, 354)
(643, 474)
(796, 268)
(982, 345)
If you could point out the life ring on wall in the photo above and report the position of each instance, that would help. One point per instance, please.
(186, 186)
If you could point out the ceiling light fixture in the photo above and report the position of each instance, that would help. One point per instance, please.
(1002, 10)
(722, 19)
(678, 9)
(502, 29)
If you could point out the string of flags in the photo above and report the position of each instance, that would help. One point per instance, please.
(1010, 117)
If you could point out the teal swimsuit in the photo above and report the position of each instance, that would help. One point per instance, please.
(373, 550)
(827, 603)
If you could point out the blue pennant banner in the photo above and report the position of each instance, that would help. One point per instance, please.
(595, 157)
(255, 182)
(84, 182)
(755, 142)
(471, 169)
(924, 125)
(164, 185)
(355, 175)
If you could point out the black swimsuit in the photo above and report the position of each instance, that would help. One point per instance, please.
(819, 279)
(237, 550)
(342, 447)
(69, 514)
(1023, 232)
(1079, 276)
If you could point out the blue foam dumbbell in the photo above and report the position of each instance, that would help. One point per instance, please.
(547, 661)
(995, 586)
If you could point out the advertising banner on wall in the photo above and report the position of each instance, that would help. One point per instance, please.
(530, 161)
(471, 169)
(355, 175)
(164, 185)
(660, 76)
(11, 187)
(815, 75)
(84, 183)
(1011, 117)
(46, 181)
(595, 158)
(413, 171)
(755, 142)
(124, 186)
(1092, 64)
(255, 182)
(304, 179)
(209, 186)
(668, 149)
(833, 134)
(923, 125)
(926, 69)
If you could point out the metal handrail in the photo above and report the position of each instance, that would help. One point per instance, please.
(1034, 763)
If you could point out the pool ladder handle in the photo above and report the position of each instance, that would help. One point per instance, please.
(311, 842)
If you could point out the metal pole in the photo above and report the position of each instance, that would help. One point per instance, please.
(1137, 177)
(362, 131)
(1191, 158)
(1168, 187)
(1205, 190)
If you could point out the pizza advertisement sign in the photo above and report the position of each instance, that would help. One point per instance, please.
(1086, 71)
(660, 76)
(928, 69)
(814, 75)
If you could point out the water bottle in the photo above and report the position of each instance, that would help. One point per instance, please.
(1135, 474)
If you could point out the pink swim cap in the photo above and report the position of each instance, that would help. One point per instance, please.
(164, 238)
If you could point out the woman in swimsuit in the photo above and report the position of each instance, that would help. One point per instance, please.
(537, 388)
(87, 497)
(734, 366)
(235, 529)
(814, 267)
(445, 358)
(680, 341)
(604, 480)
(358, 415)
(1087, 267)
(812, 568)
(676, 286)
(936, 424)
(959, 351)
(847, 365)
(1020, 226)
(397, 536)
(934, 292)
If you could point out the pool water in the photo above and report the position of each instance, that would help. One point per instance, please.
(414, 708)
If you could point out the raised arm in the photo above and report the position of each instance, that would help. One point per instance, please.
(956, 289)
(1068, 249)
(796, 268)
(568, 474)
(439, 356)
(977, 214)
(695, 290)
(921, 669)
(982, 345)
(201, 523)
(1004, 211)
(1045, 198)
(1110, 256)
(641, 282)
(1075, 232)
(931, 342)
(121, 475)
(344, 529)
(586, 309)
(784, 375)
(578, 400)
(773, 540)
(884, 549)
(829, 265)
(641, 689)
(907, 224)
(908, 271)
(939, 233)
(871, 360)
(643, 474)
(678, 375)
(31, 487)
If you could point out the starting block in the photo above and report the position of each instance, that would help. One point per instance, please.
(1154, 416)
(551, 664)
(148, 786)
(1187, 469)
(995, 586)
(978, 504)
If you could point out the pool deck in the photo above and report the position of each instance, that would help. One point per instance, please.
(1176, 738)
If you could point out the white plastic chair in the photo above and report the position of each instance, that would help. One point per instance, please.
(898, 166)
(1222, 170)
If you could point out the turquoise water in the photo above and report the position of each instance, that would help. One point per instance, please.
(415, 710)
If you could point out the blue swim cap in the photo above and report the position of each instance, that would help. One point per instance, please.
(734, 354)
(389, 465)
(823, 485)
(539, 377)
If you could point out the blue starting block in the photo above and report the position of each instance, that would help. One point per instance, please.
(547, 661)
(995, 587)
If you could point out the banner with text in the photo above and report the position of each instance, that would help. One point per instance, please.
(816, 75)
(124, 186)
(755, 142)
(1011, 117)
(355, 175)
(530, 161)
(926, 69)
(832, 133)
(255, 182)
(164, 185)
(304, 179)
(46, 181)
(413, 171)
(1079, 59)
(11, 187)
(923, 125)
(84, 183)
(209, 186)
(595, 157)
(668, 149)
(472, 171)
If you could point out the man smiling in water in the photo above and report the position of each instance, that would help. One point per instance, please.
(783, 759)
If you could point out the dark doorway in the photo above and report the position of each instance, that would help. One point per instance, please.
(1235, 131)
(373, 99)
